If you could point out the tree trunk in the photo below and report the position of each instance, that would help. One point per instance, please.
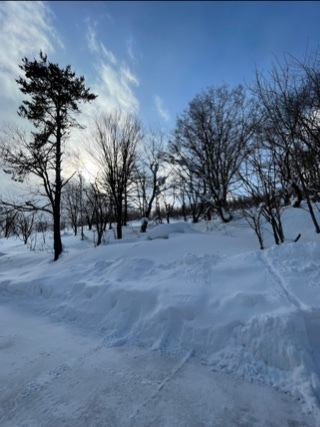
(224, 214)
(298, 193)
(119, 229)
(259, 235)
(125, 215)
(57, 244)
(313, 217)
(100, 234)
(184, 212)
(306, 193)
(275, 233)
(149, 208)
(144, 225)
(89, 222)
(119, 215)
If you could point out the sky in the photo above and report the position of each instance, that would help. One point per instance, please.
(152, 58)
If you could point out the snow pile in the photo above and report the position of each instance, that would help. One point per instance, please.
(163, 231)
(255, 314)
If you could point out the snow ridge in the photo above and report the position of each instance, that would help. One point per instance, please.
(255, 315)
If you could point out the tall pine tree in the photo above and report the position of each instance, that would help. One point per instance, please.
(53, 96)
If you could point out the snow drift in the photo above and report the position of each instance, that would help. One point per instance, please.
(255, 314)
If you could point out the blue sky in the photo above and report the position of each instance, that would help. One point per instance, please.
(152, 58)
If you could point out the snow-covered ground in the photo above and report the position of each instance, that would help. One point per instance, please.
(184, 326)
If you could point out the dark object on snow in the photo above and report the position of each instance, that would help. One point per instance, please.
(297, 238)
(144, 224)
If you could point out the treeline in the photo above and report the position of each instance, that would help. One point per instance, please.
(253, 148)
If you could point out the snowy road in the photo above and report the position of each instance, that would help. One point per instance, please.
(55, 375)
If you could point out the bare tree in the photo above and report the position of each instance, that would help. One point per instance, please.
(8, 221)
(113, 146)
(260, 179)
(210, 140)
(25, 225)
(253, 214)
(41, 226)
(191, 191)
(168, 196)
(149, 167)
(72, 202)
(101, 207)
(290, 100)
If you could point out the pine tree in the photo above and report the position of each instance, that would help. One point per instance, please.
(53, 97)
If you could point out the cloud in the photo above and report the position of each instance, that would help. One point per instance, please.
(115, 81)
(128, 77)
(98, 47)
(129, 44)
(26, 28)
(92, 40)
(115, 89)
(108, 54)
(162, 112)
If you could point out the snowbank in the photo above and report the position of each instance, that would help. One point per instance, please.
(253, 314)
(163, 231)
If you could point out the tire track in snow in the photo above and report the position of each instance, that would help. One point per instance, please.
(46, 378)
(280, 281)
(304, 310)
(162, 384)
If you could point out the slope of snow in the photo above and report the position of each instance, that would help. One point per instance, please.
(204, 290)
(54, 375)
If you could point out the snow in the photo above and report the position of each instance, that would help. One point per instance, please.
(163, 231)
(184, 322)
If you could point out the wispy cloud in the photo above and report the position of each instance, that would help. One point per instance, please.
(127, 76)
(92, 40)
(108, 54)
(115, 81)
(115, 88)
(26, 27)
(162, 112)
(129, 44)
(98, 47)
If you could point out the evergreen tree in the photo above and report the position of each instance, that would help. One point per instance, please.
(53, 97)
